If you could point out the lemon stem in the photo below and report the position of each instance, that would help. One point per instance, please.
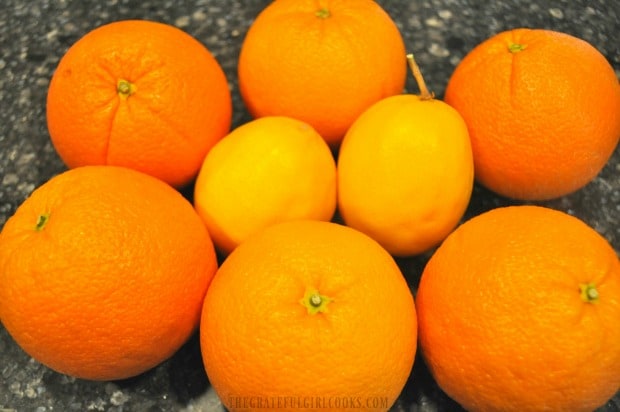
(425, 94)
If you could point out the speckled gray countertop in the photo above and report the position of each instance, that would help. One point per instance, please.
(35, 34)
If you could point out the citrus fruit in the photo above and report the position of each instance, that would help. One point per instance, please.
(320, 62)
(519, 309)
(312, 312)
(265, 171)
(139, 94)
(543, 112)
(405, 172)
(103, 272)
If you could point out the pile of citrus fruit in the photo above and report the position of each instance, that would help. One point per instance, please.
(284, 256)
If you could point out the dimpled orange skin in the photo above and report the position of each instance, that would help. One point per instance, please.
(544, 118)
(405, 173)
(260, 342)
(504, 323)
(103, 272)
(322, 62)
(176, 103)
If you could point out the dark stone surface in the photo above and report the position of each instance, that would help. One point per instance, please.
(35, 34)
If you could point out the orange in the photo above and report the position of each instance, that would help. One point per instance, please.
(308, 315)
(405, 172)
(266, 171)
(138, 94)
(519, 310)
(103, 272)
(543, 111)
(322, 62)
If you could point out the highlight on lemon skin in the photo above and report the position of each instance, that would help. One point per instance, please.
(269, 170)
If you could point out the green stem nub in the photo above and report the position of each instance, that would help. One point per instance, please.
(125, 88)
(589, 293)
(322, 13)
(314, 302)
(516, 47)
(41, 221)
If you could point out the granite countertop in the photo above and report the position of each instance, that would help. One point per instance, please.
(35, 34)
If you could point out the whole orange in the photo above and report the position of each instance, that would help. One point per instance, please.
(519, 309)
(405, 172)
(103, 272)
(266, 171)
(139, 94)
(321, 62)
(308, 314)
(543, 111)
